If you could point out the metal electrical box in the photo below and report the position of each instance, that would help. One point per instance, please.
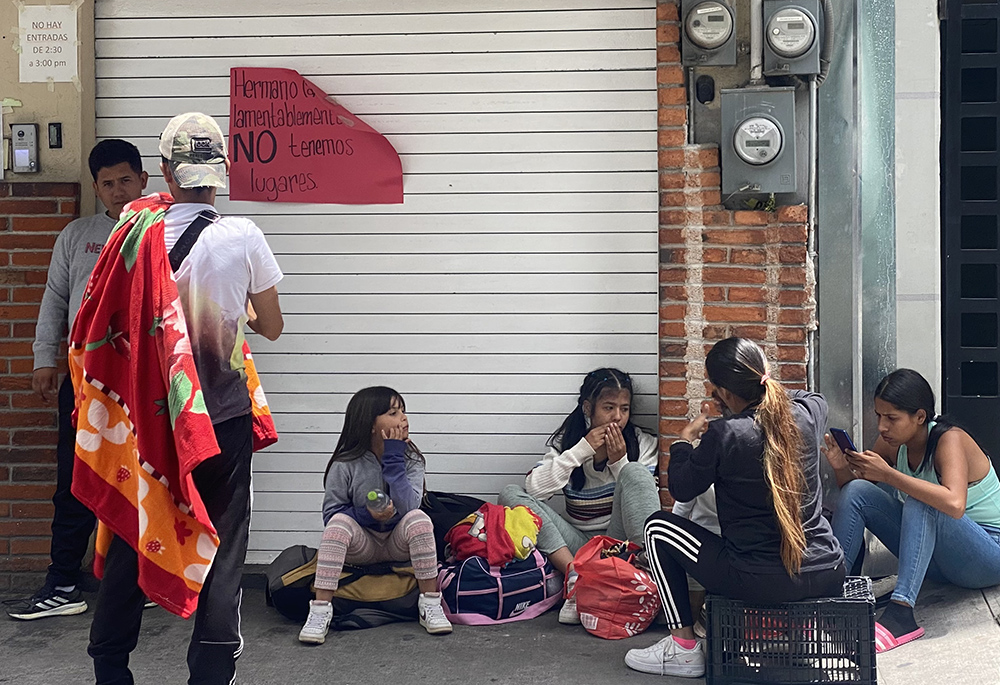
(708, 33)
(793, 33)
(758, 141)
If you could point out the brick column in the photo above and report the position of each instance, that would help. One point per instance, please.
(31, 216)
(722, 272)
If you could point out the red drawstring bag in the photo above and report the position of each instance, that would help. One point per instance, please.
(615, 599)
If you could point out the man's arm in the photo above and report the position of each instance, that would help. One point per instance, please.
(50, 330)
(265, 314)
(264, 311)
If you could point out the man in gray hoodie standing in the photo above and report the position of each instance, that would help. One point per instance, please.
(118, 179)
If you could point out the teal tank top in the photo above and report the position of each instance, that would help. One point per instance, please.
(982, 504)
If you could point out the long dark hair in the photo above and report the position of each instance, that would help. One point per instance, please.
(359, 417)
(908, 391)
(574, 426)
(739, 366)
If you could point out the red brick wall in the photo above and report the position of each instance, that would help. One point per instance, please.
(31, 216)
(722, 272)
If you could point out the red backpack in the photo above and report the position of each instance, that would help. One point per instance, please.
(615, 598)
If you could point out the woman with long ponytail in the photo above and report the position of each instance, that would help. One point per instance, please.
(783, 469)
(763, 458)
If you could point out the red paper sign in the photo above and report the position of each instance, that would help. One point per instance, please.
(289, 143)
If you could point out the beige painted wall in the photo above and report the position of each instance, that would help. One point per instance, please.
(75, 110)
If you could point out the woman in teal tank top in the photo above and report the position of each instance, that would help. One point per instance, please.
(928, 492)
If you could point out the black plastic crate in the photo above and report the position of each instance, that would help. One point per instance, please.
(830, 640)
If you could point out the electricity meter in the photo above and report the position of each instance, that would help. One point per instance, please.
(792, 37)
(758, 151)
(758, 140)
(709, 25)
(790, 32)
(709, 35)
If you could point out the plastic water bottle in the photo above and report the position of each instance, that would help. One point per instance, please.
(378, 501)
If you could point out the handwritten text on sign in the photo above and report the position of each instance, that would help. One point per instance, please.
(48, 43)
(289, 143)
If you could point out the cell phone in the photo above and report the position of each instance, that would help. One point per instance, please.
(843, 440)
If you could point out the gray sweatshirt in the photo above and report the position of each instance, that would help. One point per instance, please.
(73, 258)
(348, 483)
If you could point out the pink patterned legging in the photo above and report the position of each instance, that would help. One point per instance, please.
(345, 540)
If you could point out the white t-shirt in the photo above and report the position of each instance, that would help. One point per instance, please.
(229, 261)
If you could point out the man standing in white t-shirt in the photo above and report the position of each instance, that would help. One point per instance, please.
(228, 278)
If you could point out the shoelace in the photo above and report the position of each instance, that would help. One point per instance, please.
(673, 650)
(434, 612)
(669, 650)
(315, 621)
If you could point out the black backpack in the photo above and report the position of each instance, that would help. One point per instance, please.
(445, 509)
(289, 582)
(367, 596)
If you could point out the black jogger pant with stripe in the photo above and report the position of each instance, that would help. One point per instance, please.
(677, 547)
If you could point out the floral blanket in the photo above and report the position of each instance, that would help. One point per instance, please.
(142, 424)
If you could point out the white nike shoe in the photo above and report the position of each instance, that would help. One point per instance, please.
(667, 657)
(431, 614)
(317, 623)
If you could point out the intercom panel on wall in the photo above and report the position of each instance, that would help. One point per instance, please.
(793, 32)
(708, 35)
(24, 141)
(758, 141)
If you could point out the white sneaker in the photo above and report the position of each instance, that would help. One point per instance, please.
(48, 601)
(317, 622)
(431, 614)
(700, 631)
(667, 657)
(568, 613)
(701, 624)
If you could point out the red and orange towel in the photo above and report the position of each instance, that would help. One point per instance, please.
(142, 425)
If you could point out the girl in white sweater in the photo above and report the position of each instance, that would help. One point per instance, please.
(604, 465)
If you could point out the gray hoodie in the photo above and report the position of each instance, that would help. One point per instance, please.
(73, 259)
(349, 481)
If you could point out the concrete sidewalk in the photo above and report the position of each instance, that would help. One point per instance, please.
(962, 645)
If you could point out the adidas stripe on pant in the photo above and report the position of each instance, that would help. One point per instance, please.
(677, 547)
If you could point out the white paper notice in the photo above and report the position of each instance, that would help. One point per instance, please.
(48, 43)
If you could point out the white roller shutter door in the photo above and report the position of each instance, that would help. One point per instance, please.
(524, 255)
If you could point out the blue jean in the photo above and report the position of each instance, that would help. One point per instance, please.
(927, 542)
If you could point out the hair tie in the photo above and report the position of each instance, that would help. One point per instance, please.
(765, 378)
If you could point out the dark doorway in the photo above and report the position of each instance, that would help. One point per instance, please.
(970, 159)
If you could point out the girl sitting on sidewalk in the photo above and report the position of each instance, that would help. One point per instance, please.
(763, 457)
(928, 492)
(374, 453)
(604, 464)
